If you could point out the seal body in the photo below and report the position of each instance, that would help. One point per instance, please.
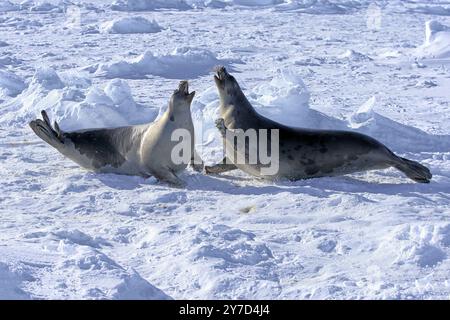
(302, 153)
(144, 150)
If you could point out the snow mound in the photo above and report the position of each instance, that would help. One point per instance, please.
(3, 44)
(130, 25)
(303, 6)
(9, 61)
(43, 6)
(432, 10)
(149, 5)
(215, 4)
(422, 245)
(182, 63)
(437, 41)
(10, 84)
(90, 274)
(6, 6)
(252, 3)
(75, 108)
(19, 23)
(214, 247)
(394, 134)
(321, 6)
(10, 282)
(286, 99)
(354, 56)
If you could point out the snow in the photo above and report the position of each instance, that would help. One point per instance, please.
(6, 6)
(131, 25)
(71, 234)
(10, 84)
(437, 41)
(183, 62)
(148, 5)
(77, 108)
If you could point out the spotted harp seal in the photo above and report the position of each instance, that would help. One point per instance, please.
(143, 150)
(302, 153)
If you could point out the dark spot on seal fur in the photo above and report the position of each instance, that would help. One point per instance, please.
(290, 157)
(172, 118)
(312, 170)
(353, 157)
(103, 146)
(296, 148)
(327, 170)
(307, 162)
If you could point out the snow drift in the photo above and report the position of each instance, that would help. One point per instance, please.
(437, 41)
(303, 6)
(6, 6)
(10, 84)
(148, 5)
(130, 25)
(10, 283)
(321, 6)
(182, 63)
(74, 107)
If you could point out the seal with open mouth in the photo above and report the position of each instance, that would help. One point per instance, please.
(303, 153)
(143, 150)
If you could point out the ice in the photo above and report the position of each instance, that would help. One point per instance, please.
(43, 6)
(10, 282)
(73, 108)
(10, 84)
(321, 6)
(354, 56)
(148, 5)
(431, 10)
(6, 6)
(437, 41)
(183, 62)
(131, 25)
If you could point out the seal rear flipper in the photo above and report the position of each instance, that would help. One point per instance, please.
(413, 170)
(44, 130)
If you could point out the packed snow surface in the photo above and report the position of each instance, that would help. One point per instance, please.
(379, 68)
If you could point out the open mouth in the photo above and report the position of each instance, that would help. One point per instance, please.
(221, 73)
(183, 87)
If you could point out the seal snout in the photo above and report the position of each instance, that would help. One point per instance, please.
(221, 73)
(183, 87)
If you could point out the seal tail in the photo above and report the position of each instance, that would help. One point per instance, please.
(413, 170)
(44, 130)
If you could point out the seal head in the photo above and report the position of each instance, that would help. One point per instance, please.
(181, 98)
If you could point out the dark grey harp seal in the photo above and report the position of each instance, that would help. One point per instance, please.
(143, 150)
(305, 153)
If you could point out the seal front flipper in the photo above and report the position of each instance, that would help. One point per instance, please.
(196, 162)
(221, 167)
(169, 177)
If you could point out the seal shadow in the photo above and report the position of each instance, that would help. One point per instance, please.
(118, 181)
(316, 187)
